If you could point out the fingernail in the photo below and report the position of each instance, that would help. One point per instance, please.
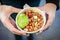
(41, 31)
(27, 34)
(37, 33)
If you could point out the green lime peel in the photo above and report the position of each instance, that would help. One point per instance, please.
(22, 20)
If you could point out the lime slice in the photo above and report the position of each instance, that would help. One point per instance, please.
(22, 20)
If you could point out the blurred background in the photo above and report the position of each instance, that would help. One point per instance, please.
(53, 33)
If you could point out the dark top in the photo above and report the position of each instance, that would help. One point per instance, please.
(34, 3)
(20, 3)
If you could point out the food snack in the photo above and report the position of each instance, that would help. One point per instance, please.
(33, 20)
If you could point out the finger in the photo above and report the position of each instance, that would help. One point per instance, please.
(16, 10)
(12, 28)
(12, 21)
(39, 32)
(27, 34)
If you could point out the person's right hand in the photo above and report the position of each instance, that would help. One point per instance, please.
(5, 12)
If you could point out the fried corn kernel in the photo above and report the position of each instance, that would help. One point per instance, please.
(35, 28)
(26, 29)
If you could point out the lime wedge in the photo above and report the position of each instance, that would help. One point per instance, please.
(22, 20)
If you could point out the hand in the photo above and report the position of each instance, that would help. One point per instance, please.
(50, 10)
(5, 12)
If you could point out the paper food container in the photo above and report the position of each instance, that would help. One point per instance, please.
(34, 9)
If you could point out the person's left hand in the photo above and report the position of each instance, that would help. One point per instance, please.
(50, 10)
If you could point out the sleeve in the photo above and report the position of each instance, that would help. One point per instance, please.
(0, 1)
(56, 2)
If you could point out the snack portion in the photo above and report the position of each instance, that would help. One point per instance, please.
(31, 20)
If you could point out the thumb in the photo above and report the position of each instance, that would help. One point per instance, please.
(15, 10)
(14, 30)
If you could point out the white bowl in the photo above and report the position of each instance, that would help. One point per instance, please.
(35, 9)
